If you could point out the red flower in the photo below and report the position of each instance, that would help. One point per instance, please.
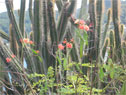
(82, 22)
(31, 42)
(86, 28)
(13, 56)
(72, 40)
(8, 60)
(25, 40)
(91, 25)
(65, 41)
(69, 45)
(81, 26)
(37, 51)
(60, 46)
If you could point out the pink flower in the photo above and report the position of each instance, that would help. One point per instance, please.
(25, 40)
(31, 42)
(8, 60)
(13, 56)
(37, 51)
(86, 28)
(91, 25)
(61, 47)
(69, 45)
(65, 41)
(82, 22)
(81, 26)
(72, 40)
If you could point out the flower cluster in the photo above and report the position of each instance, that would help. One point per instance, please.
(81, 25)
(27, 41)
(67, 44)
(8, 60)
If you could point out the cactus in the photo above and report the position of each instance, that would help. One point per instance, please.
(59, 4)
(116, 22)
(92, 35)
(52, 25)
(22, 17)
(123, 50)
(106, 45)
(99, 12)
(104, 34)
(97, 37)
(66, 11)
(4, 35)
(121, 30)
(13, 42)
(112, 43)
(31, 11)
(47, 33)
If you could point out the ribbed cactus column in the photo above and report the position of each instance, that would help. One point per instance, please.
(116, 22)
(52, 25)
(38, 32)
(112, 43)
(92, 35)
(1, 75)
(4, 35)
(104, 34)
(22, 16)
(31, 10)
(99, 13)
(65, 13)
(13, 42)
(59, 4)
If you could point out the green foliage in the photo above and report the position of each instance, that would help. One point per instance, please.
(123, 90)
(75, 83)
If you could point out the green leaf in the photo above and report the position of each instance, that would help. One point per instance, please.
(81, 48)
(34, 51)
(109, 60)
(112, 74)
(85, 37)
(101, 74)
(58, 59)
(40, 59)
(65, 64)
(79, 35)
(87, 65)
(123, 90)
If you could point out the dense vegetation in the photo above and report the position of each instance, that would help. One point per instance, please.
(44, 52)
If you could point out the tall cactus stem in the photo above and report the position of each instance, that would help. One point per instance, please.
(116, 22)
